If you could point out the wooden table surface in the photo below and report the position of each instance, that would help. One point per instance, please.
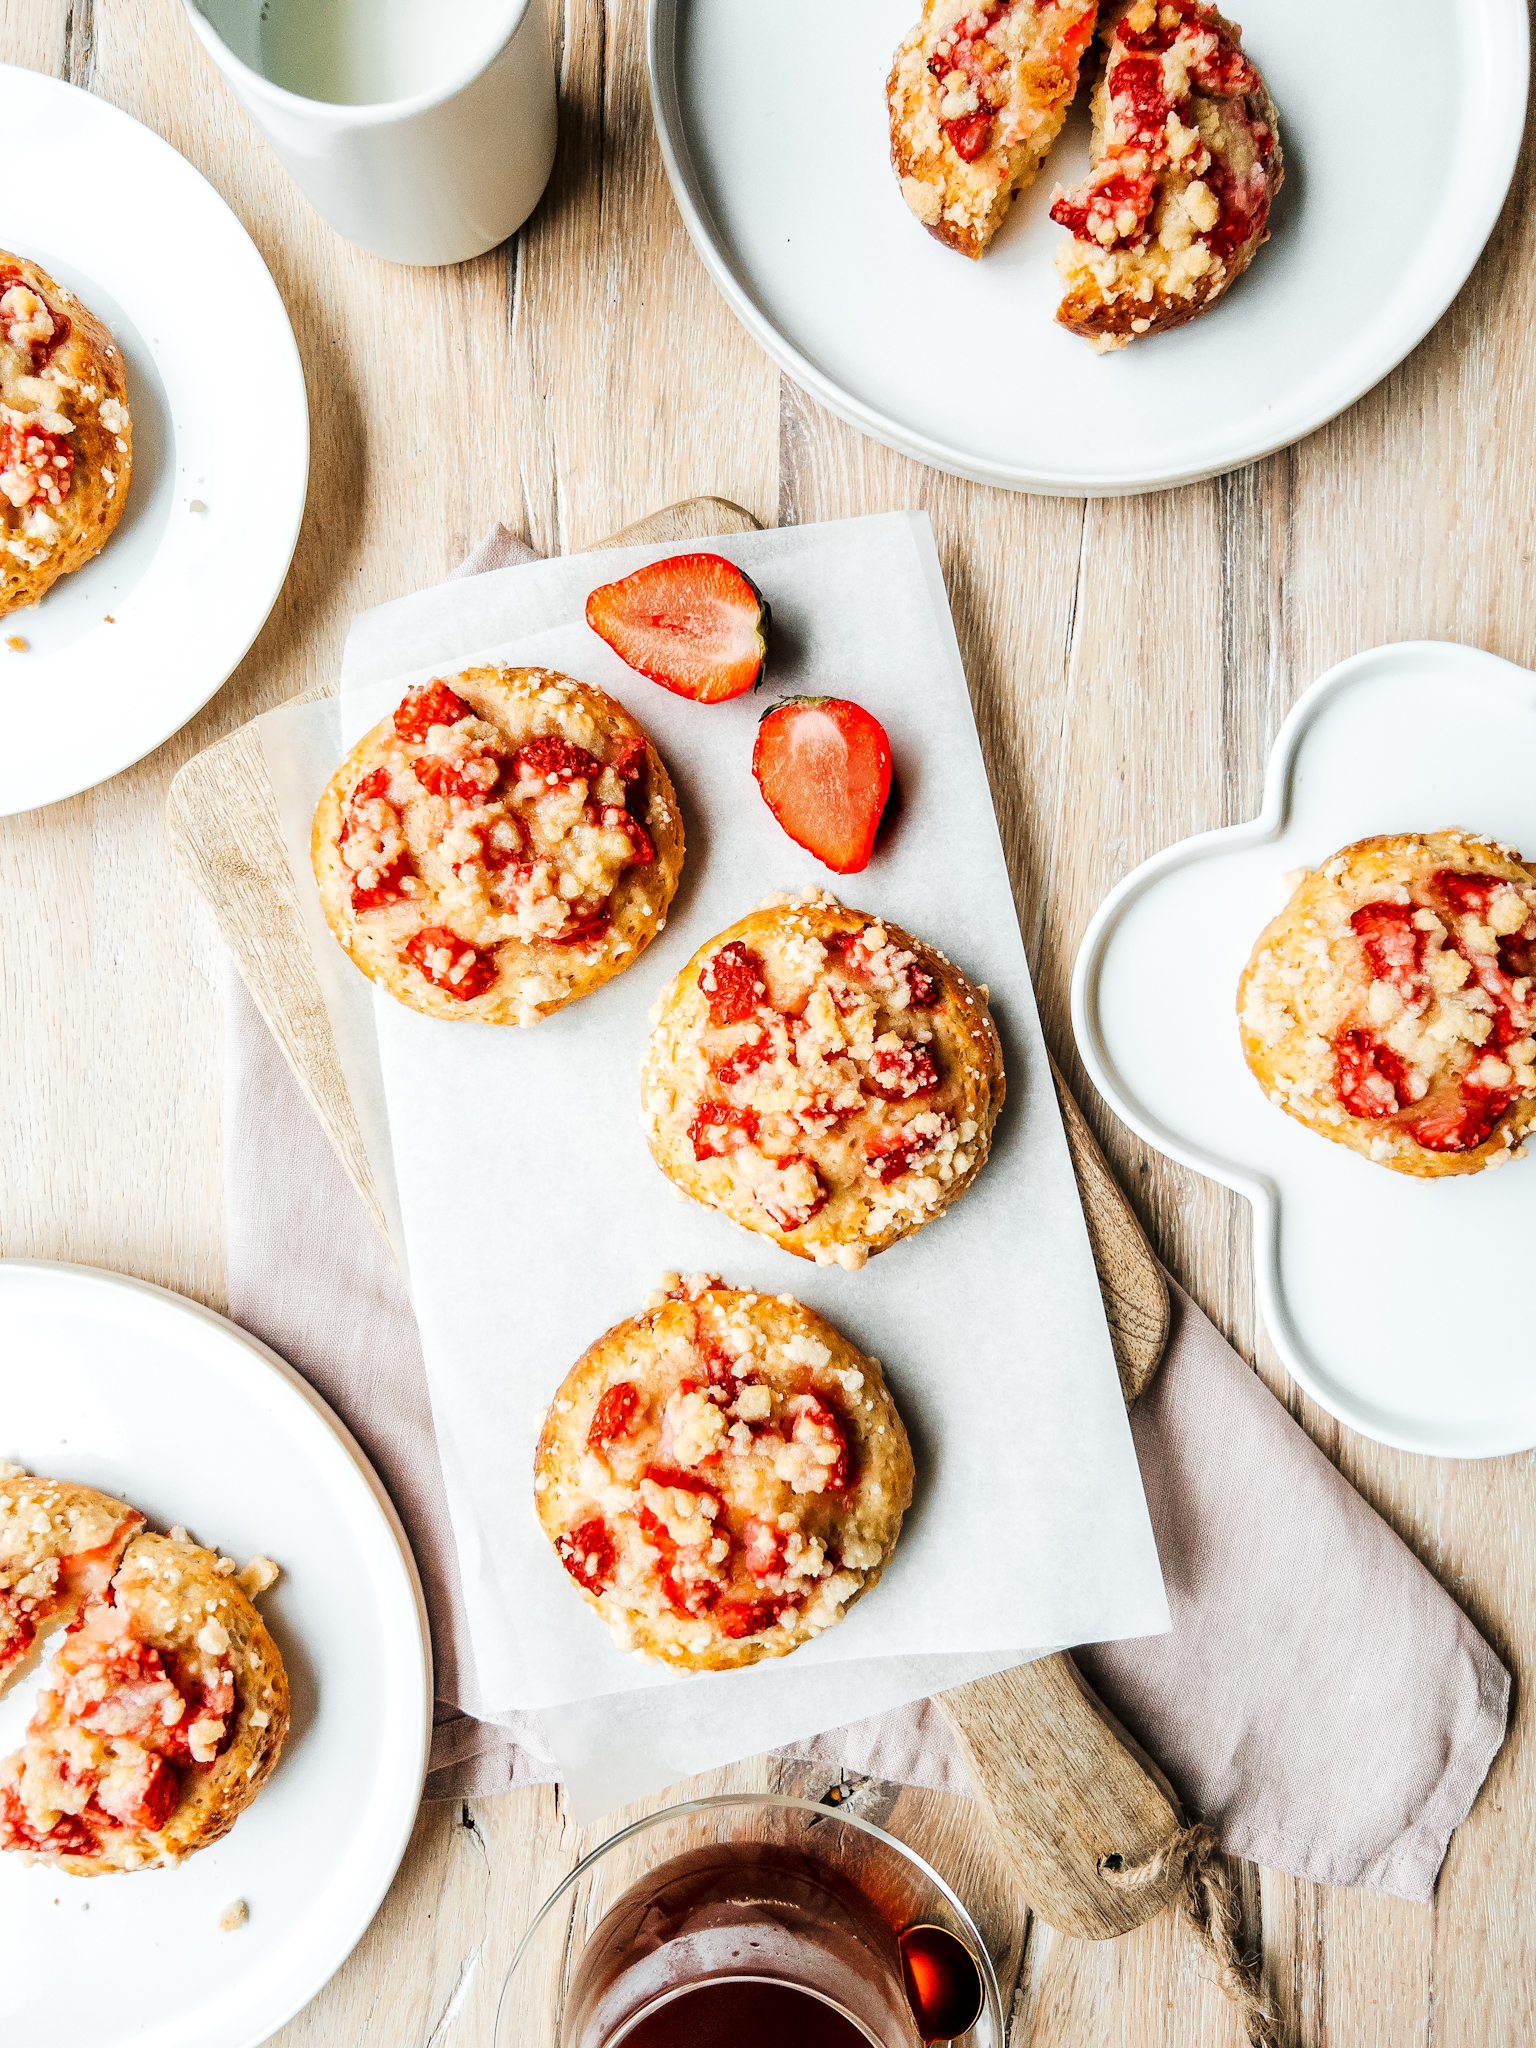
(1130, 661)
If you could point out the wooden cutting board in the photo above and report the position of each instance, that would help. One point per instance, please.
(1063, 1787)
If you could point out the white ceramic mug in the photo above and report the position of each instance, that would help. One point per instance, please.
(423, 130)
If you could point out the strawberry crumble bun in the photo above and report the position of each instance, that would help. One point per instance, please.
(59, 1546)
(66, 440)
(501, 844)
(722, 1476)
(1390, 1005)
(1186, 160)
(977, 95)
(822, 1078)
(160, 1719)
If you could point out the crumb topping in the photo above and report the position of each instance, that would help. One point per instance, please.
(1410, 1003)
(474, 838)
(59, 1546)
(116, 1725)
(977, 95)
(40, 405)
(815, 1067)
(1183, 162)
(141, 1700)
(718, 1492)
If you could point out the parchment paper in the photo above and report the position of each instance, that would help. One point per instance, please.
(533, 1217)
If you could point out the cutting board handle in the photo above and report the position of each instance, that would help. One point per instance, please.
(1065, 1790)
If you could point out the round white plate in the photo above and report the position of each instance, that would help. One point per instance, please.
(1400, 142)
(220, 423)
(1368, 1280)
(126, 1387)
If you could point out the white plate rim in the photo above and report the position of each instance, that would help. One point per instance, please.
(366, 1906)
(19, 77)
(1503, 146)
(1258, 1188)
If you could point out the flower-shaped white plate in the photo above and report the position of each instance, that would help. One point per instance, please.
(122, 653)
(147, 1395)
(1395, 1302)
(774, 131)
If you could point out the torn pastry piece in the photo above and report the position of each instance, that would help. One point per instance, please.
(1390, 1006)
(505, 841)
(822, 1077)
(1186, 162)
(66, 437)
(977, 95)
(722, 1476)
(59, 1546)
(160, 1719)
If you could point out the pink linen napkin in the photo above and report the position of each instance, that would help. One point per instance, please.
(1321, 1701)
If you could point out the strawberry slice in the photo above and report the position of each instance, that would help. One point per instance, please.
(615, 1411)
(741, 1618)
(824, 767)
(427, 705)
(589, 1554)
(693, 623)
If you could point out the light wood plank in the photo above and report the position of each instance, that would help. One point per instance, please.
(1129, 663)
(35, 33)
(632, 384)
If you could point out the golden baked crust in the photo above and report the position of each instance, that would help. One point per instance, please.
(1186, 161)
(66, 439)
(1390, 1005)
(504, 842)
(59, 1546)
(977, 94)
(822, 1078)
(722, 1476)
(162, 1717)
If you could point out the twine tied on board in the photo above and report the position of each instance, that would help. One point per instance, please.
(1193, 1858)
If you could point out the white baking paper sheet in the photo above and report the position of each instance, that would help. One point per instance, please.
(532, 1216)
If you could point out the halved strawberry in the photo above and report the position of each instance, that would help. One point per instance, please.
(693, 623)
(824, 767)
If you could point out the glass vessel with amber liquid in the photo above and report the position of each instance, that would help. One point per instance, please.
(751, 1921)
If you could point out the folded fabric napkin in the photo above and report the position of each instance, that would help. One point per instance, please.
(1321, 1701)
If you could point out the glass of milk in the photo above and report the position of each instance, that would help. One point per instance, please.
(423, 130)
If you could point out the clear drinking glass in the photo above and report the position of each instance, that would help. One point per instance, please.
(790, 1908)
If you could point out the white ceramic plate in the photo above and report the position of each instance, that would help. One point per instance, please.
(1400, 140)
(121, 1385)
(1368, 1280)
(219, 421)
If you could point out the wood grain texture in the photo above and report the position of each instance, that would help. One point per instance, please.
(1130, 661)
(1062, 1794)
(1130, 1279)
(222, 820)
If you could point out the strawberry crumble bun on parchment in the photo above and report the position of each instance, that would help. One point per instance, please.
(503, 843)
(66, 438)
(722, 1476)
(823, 1078)
(977, 95)
(1391, 1005)
(160, 1717)
(1186, 163)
